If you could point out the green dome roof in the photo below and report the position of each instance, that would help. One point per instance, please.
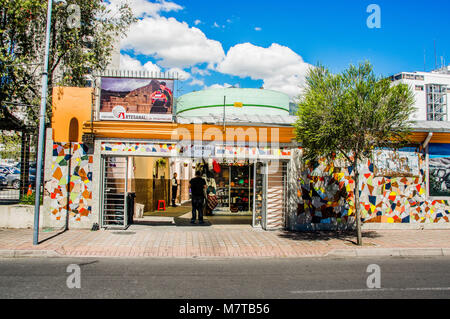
(254, 101)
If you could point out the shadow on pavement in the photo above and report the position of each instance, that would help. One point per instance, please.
(345, 235)
(51, 236)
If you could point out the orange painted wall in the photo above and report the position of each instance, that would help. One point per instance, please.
(68, 103)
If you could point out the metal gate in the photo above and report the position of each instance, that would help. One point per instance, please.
(276, 199)
(114, 199)
(259, 194)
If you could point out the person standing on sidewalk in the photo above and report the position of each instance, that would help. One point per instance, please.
(174, 189)
(198, 187)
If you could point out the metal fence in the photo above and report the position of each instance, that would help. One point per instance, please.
(17, 168)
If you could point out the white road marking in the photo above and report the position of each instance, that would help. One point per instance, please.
(367, 290)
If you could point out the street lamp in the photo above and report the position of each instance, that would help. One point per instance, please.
(42, 122)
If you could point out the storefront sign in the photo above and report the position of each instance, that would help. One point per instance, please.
(132, 99)
(198, 151)
(195, 151)
(252, 152)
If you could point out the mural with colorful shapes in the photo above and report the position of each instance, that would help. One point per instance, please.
(322, 193)
(70, 190)
(325, 195)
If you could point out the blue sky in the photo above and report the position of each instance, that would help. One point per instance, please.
(257, 43)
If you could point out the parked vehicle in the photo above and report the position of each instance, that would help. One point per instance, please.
(12, 176)
(3, 182)
(31, 168)
(31, 173)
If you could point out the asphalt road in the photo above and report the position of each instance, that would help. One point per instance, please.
(225, 278)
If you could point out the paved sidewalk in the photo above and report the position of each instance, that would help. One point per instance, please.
(221, 241)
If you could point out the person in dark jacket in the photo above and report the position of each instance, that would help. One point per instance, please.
(198, 187)
(174, 189)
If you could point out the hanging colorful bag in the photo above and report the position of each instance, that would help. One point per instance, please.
(212, 201)
(216, 166)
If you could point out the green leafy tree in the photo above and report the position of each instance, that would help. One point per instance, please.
(77, 47)
(10, 145)
(351, 114)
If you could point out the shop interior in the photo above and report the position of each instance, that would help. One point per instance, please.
(148, 191)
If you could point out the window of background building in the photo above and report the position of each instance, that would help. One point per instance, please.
(419, 87)
(436, 102)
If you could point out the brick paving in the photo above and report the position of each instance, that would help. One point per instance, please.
(213, 241)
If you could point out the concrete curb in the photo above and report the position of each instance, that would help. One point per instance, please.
(353, 252)
(389, 252)
(18, 253)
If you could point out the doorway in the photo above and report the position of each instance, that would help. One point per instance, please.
(135, 189)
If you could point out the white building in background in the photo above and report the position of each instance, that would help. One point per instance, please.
(114, 63)
(432, 92)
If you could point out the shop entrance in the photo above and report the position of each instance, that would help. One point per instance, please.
(240, 192)
(114, 194)
(134, 187)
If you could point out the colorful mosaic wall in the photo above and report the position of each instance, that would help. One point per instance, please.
(325, 196)
(70, 191)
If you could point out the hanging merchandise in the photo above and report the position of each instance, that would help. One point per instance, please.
(216, 167)
(210, 164)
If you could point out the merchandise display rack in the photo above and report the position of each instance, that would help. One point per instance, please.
(235, 189)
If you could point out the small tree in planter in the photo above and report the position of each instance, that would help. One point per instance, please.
(351, 114)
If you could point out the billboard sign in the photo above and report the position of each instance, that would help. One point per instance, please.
(133, 99)
(439, 170)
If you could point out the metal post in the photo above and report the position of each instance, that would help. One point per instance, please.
(224, 100)
(42, 126)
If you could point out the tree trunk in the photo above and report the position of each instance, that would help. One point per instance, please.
(357, 206)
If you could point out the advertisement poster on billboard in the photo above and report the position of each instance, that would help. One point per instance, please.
(132, 99)
(439, 170)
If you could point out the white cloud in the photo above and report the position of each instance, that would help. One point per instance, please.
(197, 22)
(202, 72)
(143, 8)
(216, 25)
(197, 82)
(129, 63)
(182, 75)
(173, 42)
(278, 66)
(258, 29)
(220, 86)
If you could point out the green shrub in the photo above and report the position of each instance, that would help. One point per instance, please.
(29, 199)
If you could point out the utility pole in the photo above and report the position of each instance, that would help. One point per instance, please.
(41, 142)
